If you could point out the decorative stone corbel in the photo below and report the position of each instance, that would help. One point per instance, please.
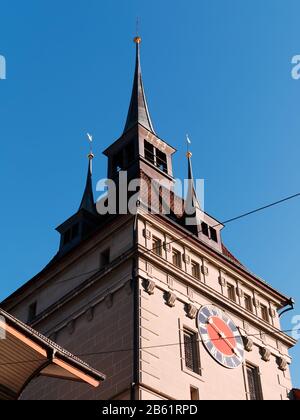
(191, 311)
(248, 343)
(171, 299)
(265, 354)
(150, 286)
(282, 363)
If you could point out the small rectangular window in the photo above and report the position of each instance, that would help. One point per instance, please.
(231, 292)
(195, 270)
(264, 313)
(104, 258)
(254, 383)
(176, 258)
(191, 353)
(161, 161)
(149, 152)
(248, 303)
(213, 234)
(194, 393)
(32, 311)
(157, 246)
(204, 228)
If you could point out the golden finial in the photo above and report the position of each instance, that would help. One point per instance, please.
(137, 40)
(189, 155)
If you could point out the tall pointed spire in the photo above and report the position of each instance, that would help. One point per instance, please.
(87, 202)
(192, 198)
(138, 109)
(191, 195)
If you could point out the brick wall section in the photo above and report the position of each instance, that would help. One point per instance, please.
(176, 203)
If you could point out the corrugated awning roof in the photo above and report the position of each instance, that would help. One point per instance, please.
(25, 353)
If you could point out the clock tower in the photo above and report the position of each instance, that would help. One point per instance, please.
(155, 300)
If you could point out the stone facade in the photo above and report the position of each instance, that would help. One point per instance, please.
(97, 317)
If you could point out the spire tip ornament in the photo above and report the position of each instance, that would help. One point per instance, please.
(188, 143)
(137, 40)
(90, 139)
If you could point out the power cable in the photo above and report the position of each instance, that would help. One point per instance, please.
(198, 340)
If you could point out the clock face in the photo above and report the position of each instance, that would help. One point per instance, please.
(220, 337)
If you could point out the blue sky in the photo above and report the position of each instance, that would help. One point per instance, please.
(220, 70)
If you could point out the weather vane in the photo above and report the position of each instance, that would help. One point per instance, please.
(137, 38)
(188, 142)
(90, 139)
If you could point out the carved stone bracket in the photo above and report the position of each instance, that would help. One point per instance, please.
(282, 363)
(171, 299)
(191, 311)
(149, 286)
(265, 354)
(248, 343)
